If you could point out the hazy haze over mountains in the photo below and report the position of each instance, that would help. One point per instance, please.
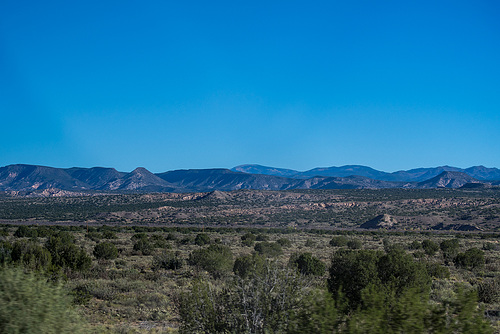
(35, 178)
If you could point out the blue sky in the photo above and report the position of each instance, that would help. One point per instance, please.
(200, 84)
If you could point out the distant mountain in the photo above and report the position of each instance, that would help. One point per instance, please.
(224, 179)
(96, 177)
(412, 175)
(359, 182)
(140, 179)
(350, 182)
(448, 180)
(258, 169)
(420, 174)
(344, 171)
(483, 173)
(31, 178)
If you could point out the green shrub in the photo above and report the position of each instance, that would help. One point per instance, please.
(144, 246)
(167, 260)
(488, 291)
(384, 312)
(399, 271)
(262, 237)
(31, 255)
(248, 239)
(419, 254)
(171, 236)
(276, 301)
(473, 258)
(185, 241)
(386, 242)
(26, 232)
(158, 241)
(64, 237)
(411, 312)
(66, 254)
(5, 252)
(248, 264)
(81, 294)
(389, 293)
(105, 250)
(307, 264)
(354, 244)
(415, 244)
(317, 314)
(107, 234)
(430, 247)
(216, 259)
(438, 271)
(268, 249)
(284, 242)
(94, 236)
(449, 248)
(44, 231)
(139, 236)
(29, 304)
(263, 303)
(351, 272)
(4, 232)
(339, 241)
(490, 246)
(310, 243)
(202, 239)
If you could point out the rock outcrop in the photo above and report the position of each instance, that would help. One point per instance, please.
(382, 221)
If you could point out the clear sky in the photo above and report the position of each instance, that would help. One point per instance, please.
(295, 84)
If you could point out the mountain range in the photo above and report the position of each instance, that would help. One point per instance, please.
(33, 178)
(413, 175)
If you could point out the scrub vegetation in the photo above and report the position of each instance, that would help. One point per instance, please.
(410, 209)
(133, 278)
(212, 280)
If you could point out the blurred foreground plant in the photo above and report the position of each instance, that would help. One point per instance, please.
(30, 304)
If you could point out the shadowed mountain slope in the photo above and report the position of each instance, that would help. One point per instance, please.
(258, 169)
(95, 177)
(448, 180)
(140, 179)
(483, 173)
(224, 179)
(420, 174)
(32, 177)
(345, 171)
(358, 182)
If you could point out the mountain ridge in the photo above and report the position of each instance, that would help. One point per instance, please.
(33, 178)
(412, 175)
